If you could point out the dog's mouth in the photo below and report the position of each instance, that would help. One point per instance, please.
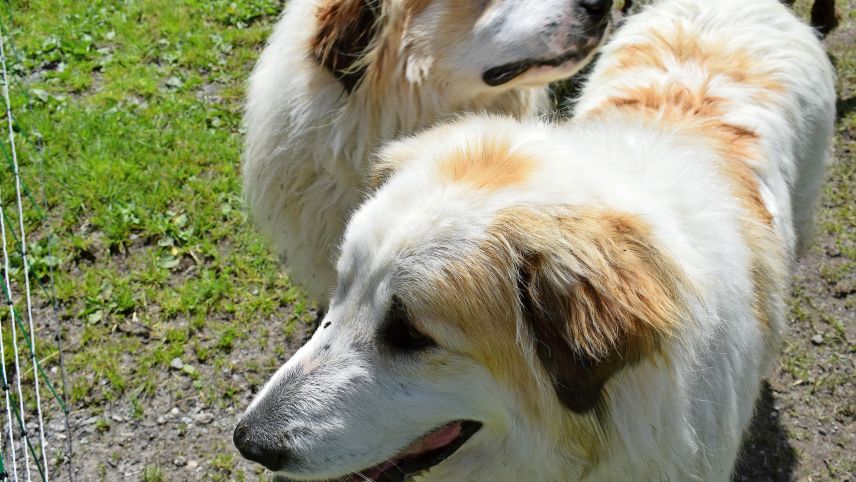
(426, 452)
(506, 73)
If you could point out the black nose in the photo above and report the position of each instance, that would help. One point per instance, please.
(596, 8)
(260, 447)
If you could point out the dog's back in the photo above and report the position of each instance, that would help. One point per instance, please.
(754, 84)
(750, 70)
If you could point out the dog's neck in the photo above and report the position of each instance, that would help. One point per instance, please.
(373, 114)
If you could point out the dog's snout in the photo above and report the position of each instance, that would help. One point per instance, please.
(596, 8)
(258, 446)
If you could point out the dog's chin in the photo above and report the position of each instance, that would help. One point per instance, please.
(543, 75)
(426, 452)
(525, 71)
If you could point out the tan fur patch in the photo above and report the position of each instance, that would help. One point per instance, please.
(476, 297)
(396, 154)
(608, 297)
(346, 29)
(391, 51)
(683, 47)
(702, 115)
(359, 38)
(485, 163)
(491, 164)
(620, 288)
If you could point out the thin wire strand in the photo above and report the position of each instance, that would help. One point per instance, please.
(41, 209)
(25, 261)
(28, 445)
(61, 366)
(3, 474)
(3, 355)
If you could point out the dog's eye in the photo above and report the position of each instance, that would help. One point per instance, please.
(398, 333)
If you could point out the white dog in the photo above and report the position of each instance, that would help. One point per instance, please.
(339, 76)
(595, 301)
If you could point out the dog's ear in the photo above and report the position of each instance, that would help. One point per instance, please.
(825, 16)
(596, 293)
(346, 28)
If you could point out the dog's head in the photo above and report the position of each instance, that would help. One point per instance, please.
(476, 326)
(474, 44)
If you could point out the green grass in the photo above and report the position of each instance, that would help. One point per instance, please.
(152, 474)
(129, 112)
(128, 115)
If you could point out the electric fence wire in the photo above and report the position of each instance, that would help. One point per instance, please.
(6, 277)
(41, 209)
(3, 354)
(8, 288)
(23, 244)
(8, 405)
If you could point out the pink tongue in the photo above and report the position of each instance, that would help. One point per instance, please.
(434, 440)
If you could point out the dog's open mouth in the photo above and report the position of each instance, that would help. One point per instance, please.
(426, 452)
(508, 72)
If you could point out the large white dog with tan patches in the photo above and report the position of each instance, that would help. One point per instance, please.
(594, 301)
(340, 76)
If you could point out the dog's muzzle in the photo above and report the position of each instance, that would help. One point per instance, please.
(594, 20)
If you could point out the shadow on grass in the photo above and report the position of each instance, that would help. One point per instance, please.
(845, 106)
(766, 453)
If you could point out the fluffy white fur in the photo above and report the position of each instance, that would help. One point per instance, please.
(308, 140)
(344, 402)
(783, 124)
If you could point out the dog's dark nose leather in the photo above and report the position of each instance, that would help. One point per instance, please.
(259, 447)
(596, 8)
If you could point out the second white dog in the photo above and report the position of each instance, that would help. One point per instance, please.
(340, 76)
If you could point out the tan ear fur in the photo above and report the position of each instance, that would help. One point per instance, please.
(596, 293)
(346, 29)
